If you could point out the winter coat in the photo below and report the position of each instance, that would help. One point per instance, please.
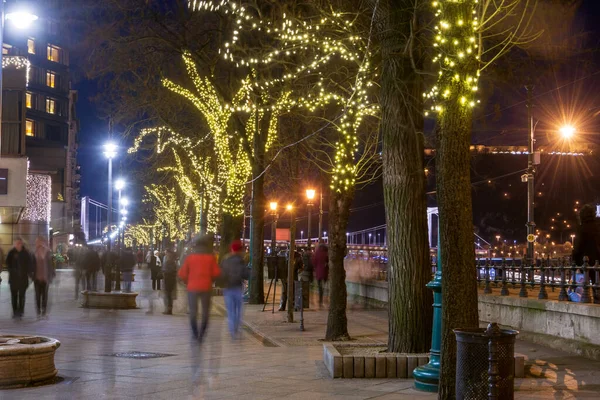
(48, 272)
(127, 261)
(587, 242)
(198, 271)
(20, 265)
(321, 263)
(91, 261)
(169, 264)
(234, 271)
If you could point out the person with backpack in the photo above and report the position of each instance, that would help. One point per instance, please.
(169, 268)
(198, 271)
(233, 274)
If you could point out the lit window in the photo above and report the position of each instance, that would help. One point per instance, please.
(28, 99)
(50, 106)
(29, 128)
(5, 49)
(30, 46)
(54, 53)
(50, 78)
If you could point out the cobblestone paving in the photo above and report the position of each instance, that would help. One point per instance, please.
(220, 368)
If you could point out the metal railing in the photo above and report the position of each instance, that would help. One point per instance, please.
(554, 274)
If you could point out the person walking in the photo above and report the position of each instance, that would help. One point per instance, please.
(233, 275)
(20, 267)
(198, 271)
(79, 254)
(127, 263)
(169, 269)
(140, 258)
(43, 275)
(155, 270)
(587, 242)
(298, 266)
(321, 265)
(91, 266)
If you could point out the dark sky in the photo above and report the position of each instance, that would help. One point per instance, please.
(94, 131)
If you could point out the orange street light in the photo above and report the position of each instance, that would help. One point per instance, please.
(310, 194)
(273, 206)
(567, 131)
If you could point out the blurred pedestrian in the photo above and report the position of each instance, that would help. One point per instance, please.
(43, 275)
(169, 269)
(587, 241)
(20, 267)
(155, 270)
(321, 265)
(91, 267)
(298, 266)
(199, 270)
(139, 258)
(79, 264)
(127, 263)
(233, 275)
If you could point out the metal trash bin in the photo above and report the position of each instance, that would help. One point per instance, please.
(480, 353)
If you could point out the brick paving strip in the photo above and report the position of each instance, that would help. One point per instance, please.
(278, 362)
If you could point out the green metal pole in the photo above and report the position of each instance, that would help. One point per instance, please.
(427, 376)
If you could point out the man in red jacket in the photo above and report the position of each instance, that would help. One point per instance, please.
(198, 271)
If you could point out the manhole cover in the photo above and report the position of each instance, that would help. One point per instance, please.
(139, 355)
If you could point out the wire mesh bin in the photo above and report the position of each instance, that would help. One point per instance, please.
(485, 363)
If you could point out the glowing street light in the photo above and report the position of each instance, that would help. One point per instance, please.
(273, 206)
(567, 131)
(110, 150)
(310, 195)
(124, 201)
(120, 184)
(21, 19)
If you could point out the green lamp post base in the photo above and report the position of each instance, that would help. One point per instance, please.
(427, 377)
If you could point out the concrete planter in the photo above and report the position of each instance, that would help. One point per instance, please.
(370, 366)
(112, 300)
(26, 360)
(383, 365)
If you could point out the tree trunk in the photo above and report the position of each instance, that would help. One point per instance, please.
(339, 211)
(459, 285)
(409, 269)
(231, 229)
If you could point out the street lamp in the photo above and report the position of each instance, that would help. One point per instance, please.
(370, 239)
(567, 131)
(21, 19)
(110, 152)
(572, 239)
(301, 235)
(273, 207)
(310, 195)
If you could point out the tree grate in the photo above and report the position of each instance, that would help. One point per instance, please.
(140, 355)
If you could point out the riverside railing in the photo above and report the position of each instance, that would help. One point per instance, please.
(543, 275)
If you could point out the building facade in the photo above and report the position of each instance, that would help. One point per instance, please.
(50, 121)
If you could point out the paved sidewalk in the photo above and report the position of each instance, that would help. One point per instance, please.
(548, 373)
(288, 365)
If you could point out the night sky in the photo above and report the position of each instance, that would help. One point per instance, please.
(579, 88)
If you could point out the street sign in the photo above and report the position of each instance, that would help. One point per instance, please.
(531, 238)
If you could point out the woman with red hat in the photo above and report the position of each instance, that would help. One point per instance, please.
(233, 274)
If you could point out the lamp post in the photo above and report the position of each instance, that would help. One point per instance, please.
(310, 196)
(110, 152)
(119, 185)
(273, 207)
(291, 263)
(572, 240)
(21, 19)
(530, 175)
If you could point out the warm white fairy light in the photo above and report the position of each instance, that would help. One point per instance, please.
(39, 198)
(17, 62)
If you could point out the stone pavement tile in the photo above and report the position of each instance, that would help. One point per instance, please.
(394, 386)
(315, 395)
(401, 396)
(417, 394)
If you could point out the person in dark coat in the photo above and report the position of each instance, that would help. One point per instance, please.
(20, 267)
(169, 269)
(43, 275)
(587, 241)
(234, 273)
(321, 264)
(127, 263)
(155, 270)
(91, 267)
